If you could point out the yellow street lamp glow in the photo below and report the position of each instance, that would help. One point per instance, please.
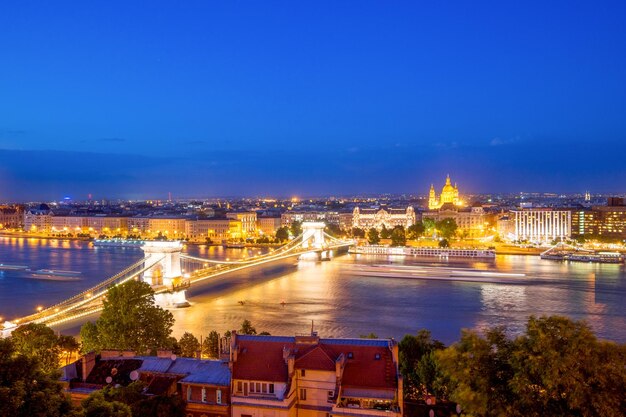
(39, 308)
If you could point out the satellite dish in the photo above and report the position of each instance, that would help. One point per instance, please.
(109, 380)
(173, 357)
(134, 375)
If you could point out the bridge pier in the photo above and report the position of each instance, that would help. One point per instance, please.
(166, 272)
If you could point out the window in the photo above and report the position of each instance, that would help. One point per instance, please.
(239, 386)
(302, 394)
(258, 387)
(331, 394)
(218, 396)
(264, 388)
(302, 372)
(188, 393)
(203, 394)
(271, 387)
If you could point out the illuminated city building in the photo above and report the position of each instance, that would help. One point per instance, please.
(471, 221)
(309, 376)
(542, 224)
(601, 221)
(268, 225)
(38, 219)
(388, 217)
(11, 217)
(449, 195)
(247, 220)
(328, 217)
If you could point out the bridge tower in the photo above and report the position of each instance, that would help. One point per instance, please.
(313, 235)
(166, 272)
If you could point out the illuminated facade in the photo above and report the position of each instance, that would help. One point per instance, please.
(449, 194)
(542, 224)
(388, 217)
(601, 221)
(472, 222)
(11, 217)
(247, 220)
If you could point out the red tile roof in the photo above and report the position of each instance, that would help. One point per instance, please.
(318, 358)
(261, 361)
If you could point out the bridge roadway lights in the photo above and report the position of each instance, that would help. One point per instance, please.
(164, 271)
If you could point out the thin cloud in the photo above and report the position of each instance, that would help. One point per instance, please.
(112, 140)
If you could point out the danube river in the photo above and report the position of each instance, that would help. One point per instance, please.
(337, 296)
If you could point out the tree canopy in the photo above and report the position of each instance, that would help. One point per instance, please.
(398, 236)
(557, 368)
(130, 320)
(40, 342)
(446, 227)
(373, 236)
(25, 388)
(189, 345)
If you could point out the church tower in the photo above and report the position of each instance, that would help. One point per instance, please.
(432, 199)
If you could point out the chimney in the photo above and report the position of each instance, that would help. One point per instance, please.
(88, 363)
(291, 364)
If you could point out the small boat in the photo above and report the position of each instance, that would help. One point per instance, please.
(56, 272)
(7, 267)
(53, 277)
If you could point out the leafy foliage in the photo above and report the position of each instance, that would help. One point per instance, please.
(282, 234)
(212, 344)
(247, 328)
(25, 389)
(373, 237)
(40, 342)
(415, 231)
(130, 320)
(296, 229)
(189, 345)
(398, 237)
(446, 227)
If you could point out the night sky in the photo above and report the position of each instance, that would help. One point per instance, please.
(203, 98)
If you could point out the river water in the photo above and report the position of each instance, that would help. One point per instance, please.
(284, 299)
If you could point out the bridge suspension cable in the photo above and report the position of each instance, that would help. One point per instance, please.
(91, 294)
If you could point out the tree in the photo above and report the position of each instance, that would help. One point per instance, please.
(247, 328)
(446, 227)
(130, 320)
(189, 345)
(282, 234)
(333, 230)
(398, 237)
(25, 389)
(411, 350)
(358, 232)
(443, 243)
(415, 230)
(296, 228)
(429, 226)
(558, 367)
(373, 237)
(97, 406)
(68, 345)
(385, 233)
(40, 342)
(372, 335)
(212, 345)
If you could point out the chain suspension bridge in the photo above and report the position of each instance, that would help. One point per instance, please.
(171, 272)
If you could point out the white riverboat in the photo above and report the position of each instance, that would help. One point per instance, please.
(424, 251)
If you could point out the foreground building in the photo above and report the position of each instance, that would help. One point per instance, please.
(203, 384)
(308, 376)
(608, 222)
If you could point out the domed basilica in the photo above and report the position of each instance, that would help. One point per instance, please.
(449, 194)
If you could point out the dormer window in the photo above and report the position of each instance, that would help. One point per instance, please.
(350, 355)
(302, 372)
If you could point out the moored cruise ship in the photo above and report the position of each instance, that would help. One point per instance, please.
(424, 251)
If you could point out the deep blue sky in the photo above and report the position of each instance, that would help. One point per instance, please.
(310, 98)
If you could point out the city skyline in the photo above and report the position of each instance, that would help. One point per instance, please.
(224, 99)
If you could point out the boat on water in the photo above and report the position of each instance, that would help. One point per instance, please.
(7, 267)
(233, 245)
(56, 272)
(442, 253)
(118, 242)
(590, 257)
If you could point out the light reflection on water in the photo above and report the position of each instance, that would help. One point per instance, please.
(285, 298)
